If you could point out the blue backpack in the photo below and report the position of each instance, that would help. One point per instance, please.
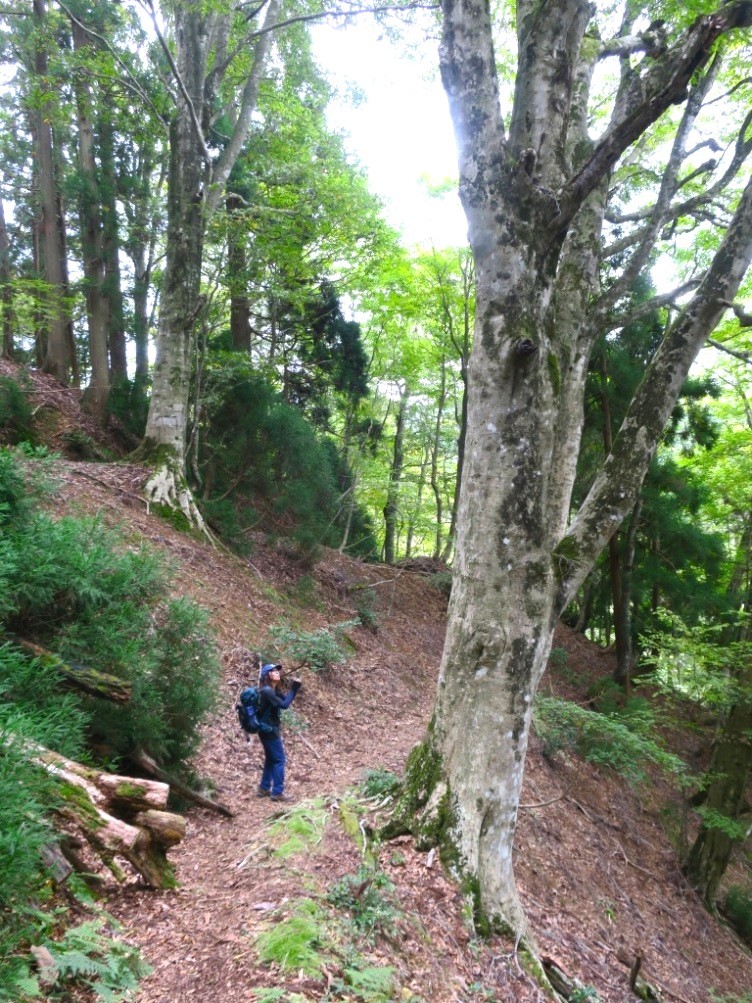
(248, 712)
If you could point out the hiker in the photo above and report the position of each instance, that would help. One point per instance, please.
(271, 702)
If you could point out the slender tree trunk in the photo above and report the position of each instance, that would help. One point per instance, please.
(90, 209)
(468, 276)
(113, 287)
(240, 312)
(435, 452)
(620, 563)
(62, 236)
(57, 360)
(391, 509)
(6, 287)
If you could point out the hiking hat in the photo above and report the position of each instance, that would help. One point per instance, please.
(267, 669)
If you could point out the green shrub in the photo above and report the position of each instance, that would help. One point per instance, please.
(366, 897)
(380, 783)
(318, 649)
(558, 658)
(15, 412)
(442, 581)
(366, 604)
(74, 587)
(605, 740)
(370, 983)
(129, 403)
(82, 447)
(737, 907)
(92, 956)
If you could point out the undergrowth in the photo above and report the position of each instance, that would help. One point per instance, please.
(74, 589)
(318, 649)
(328, 936)
(618, 741)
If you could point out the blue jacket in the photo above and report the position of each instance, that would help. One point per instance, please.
(271, 703)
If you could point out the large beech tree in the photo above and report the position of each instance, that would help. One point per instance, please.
(540, 195)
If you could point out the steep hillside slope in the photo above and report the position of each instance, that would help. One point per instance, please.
(598, 876)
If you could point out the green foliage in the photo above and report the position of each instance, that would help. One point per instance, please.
(304, 591)
(296, 943)
(701, 663)
(14, 502)
(737, 907)
(168, 654)
(299, 829)
(380, 783)
(90, 956)
(26, 795)
(371, 984)
(713, 819)
(621, 743)
(442, 581)
(584, 994)
(15, 412)
(366, 898)
(129, 403)
(558, 658)
(81, 446)
(366, 603)
(275, 995)
(264, 455)
(318, 649)
(74, 586)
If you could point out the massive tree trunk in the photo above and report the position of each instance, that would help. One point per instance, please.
(535, 200)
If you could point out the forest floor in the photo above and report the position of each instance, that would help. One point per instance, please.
(596, 860)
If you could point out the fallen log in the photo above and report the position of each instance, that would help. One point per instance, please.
(165, 827)
(80, 677)
(148, 765)
(87, 798)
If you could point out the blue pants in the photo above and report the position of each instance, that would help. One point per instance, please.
(273, 777)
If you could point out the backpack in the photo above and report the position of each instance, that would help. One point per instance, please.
(248, 712)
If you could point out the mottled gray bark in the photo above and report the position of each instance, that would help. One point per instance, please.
(535, 200)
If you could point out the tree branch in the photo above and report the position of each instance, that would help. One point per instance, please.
(626, 318)
(148, 5)
(131, 83)
(664, 84)
(619, 480)
(742, 356)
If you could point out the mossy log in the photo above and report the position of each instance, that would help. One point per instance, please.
(88, 801)
(106, 790)
(165, 827)
(81, 677)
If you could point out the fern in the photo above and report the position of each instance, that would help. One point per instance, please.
(88, 956)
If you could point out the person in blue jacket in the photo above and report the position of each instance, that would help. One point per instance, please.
(271, 702)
